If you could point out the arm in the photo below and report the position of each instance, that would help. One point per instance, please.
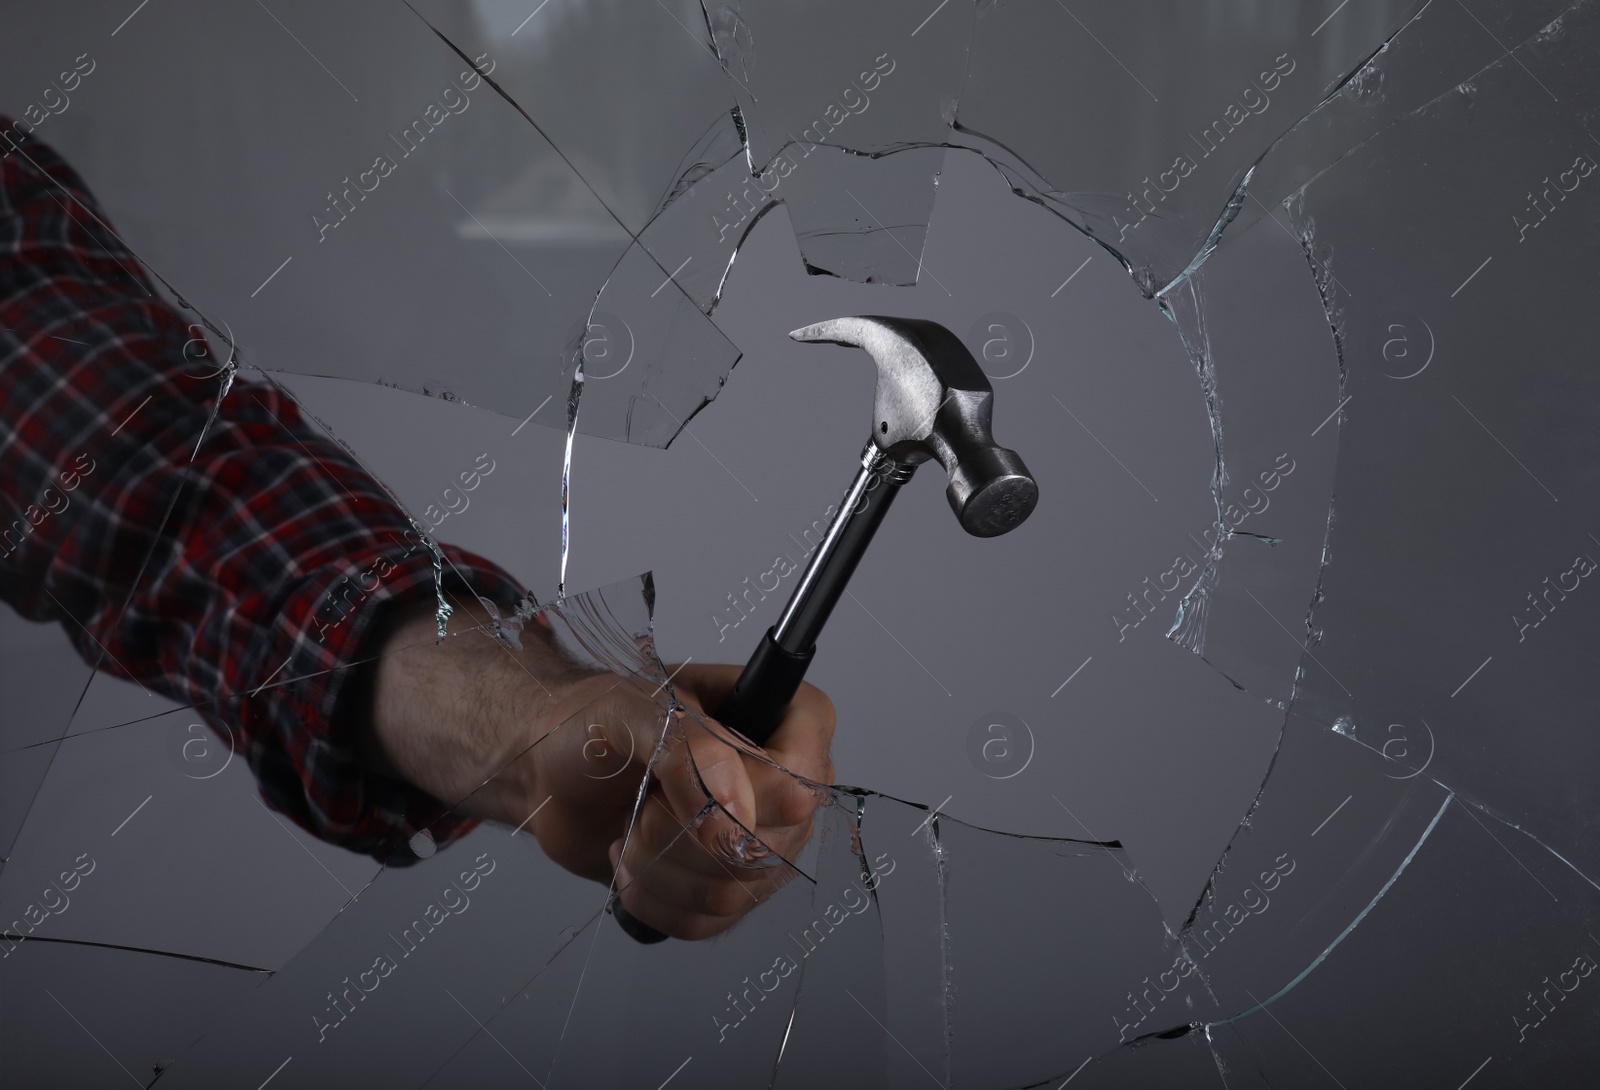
(245, 574)
(202, 570)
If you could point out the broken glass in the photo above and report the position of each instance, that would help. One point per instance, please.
(1232, 766)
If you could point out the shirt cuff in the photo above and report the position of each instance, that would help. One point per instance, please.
(304, 739)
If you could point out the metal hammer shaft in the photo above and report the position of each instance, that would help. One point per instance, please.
(757, 701)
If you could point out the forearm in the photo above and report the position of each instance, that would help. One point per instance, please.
(449, 716)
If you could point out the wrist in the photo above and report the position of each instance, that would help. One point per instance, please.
(450, 716)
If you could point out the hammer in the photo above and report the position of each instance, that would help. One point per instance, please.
(933, 401)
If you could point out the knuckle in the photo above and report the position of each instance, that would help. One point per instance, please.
(817, 702)
(797, 808)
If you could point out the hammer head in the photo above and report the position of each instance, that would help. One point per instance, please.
(935, 402)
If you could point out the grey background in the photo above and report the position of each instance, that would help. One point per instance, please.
(210, 134)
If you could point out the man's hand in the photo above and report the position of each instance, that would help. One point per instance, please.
(695, 883)
(526, 733)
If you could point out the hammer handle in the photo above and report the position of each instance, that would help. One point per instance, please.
(755, 705)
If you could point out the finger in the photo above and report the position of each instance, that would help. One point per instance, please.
(786, 805)
(803, 736)
(694, 893)
(800, 747)
(677, 873)
(781, 800)
(701, 761)
(671, 920)
(660, 834)
(660, 892)
(666, 878)
(677, 885)
(805, 733)
(692, 766)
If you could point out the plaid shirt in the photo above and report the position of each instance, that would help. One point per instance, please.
(201, 572)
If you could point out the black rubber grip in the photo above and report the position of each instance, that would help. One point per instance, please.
(755, 705)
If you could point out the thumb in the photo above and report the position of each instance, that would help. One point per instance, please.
(701, 760)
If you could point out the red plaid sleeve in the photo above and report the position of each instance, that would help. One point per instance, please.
(204, 568)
